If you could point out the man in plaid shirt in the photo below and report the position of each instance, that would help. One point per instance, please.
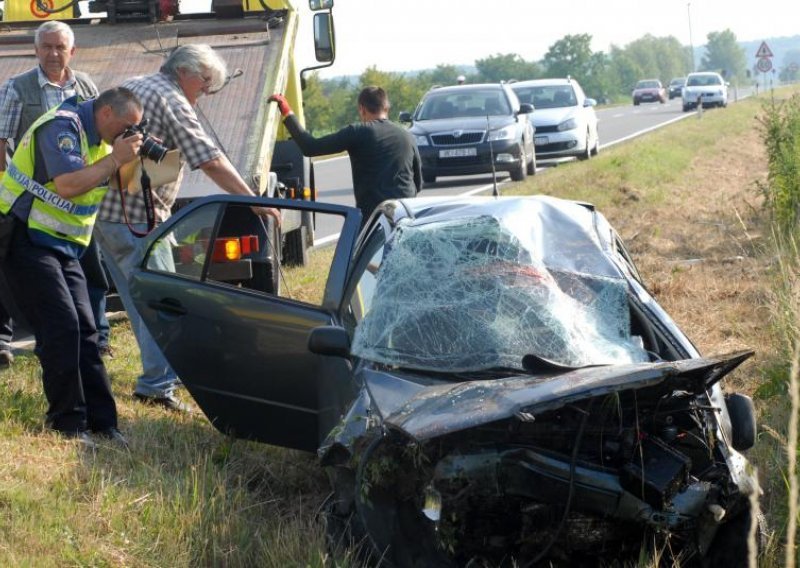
(168, 98)
(25, 97)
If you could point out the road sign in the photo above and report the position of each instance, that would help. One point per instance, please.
(763, 51)
(764, 64)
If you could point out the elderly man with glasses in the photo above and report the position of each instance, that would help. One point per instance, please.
(168, 98)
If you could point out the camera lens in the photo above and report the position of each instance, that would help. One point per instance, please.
(152, 149)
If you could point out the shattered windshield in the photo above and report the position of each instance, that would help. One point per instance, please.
(470, 294)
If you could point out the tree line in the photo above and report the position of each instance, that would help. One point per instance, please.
(331, 103)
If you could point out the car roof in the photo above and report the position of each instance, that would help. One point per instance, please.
(704, 73)
(533, 82)
(470, 87)
(541, 221)
(421, 210)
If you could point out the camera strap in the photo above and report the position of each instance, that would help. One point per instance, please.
(149, 206)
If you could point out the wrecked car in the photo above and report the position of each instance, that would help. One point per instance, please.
(487, 382)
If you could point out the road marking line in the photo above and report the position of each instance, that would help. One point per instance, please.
(646, 130)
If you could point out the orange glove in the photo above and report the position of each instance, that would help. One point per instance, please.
(283, 104)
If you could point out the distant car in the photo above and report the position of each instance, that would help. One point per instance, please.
(649, 91)
(675, 88)
(563, 118)
(706, 88)
(473, 129)
(486, 381)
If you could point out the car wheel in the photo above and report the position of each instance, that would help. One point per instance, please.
(521, 172)
(532, 164)
(596, 149)
(743, 421)
(730, 545)
(635, 102)
(686, 108)
(587, 153)
(387, 503)
(428, 178)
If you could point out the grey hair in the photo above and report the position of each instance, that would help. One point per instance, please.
(120, 99)
(51, 26)
(197, 58)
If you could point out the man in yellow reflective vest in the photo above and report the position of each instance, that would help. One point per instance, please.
(49, 197)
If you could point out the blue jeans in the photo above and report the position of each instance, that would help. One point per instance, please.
(121, 251)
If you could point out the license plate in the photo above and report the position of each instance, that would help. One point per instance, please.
(458, 152)
(540, 140)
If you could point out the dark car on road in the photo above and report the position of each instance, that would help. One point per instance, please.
(649, 91)
(487, 381)
(473, 129)
(675, 87)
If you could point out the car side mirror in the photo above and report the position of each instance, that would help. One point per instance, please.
(404, 117)
(525, 108)
(589, 102)
(329, 340)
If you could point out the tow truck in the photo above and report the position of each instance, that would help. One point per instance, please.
(119, 39)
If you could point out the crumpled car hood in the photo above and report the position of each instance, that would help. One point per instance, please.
(434, 411)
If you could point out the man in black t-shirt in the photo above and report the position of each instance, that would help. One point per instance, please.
(383, 156)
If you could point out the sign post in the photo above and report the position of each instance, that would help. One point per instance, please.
(764, 61)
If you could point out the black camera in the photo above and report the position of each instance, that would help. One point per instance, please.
(150, 148)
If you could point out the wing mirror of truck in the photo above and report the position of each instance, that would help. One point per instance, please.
(404, 117)
(320, 4)
(323, 37)
(329, 340)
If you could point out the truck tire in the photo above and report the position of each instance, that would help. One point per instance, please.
(295, 248)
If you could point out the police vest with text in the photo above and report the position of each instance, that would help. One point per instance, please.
(71, 219)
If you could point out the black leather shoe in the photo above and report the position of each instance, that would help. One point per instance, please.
(169, 402)
(6, 358)
(113, 435)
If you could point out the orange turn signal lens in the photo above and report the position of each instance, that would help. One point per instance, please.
(227, 250)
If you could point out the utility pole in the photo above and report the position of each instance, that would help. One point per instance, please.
(691, 43)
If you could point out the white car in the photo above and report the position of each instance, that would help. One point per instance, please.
(563, 117)
(706, 88)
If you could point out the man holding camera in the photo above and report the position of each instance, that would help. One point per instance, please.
(49, 198)
(23, 99)
(168, 98)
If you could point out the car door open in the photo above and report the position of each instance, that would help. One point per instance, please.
(234, 324)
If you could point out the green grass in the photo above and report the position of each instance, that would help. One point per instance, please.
(186, 495)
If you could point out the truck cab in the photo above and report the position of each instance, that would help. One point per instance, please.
(119, 39)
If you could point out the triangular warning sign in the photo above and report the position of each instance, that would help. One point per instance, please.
(763, 51)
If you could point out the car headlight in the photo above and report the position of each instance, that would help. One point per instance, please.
(421, 139)
(570, 124)
(506, 133)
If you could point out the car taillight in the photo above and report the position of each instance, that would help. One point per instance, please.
(231, 249)
(227, 249)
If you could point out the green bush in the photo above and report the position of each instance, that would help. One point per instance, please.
(780, 130)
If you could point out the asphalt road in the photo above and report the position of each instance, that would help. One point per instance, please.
(616, 124)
